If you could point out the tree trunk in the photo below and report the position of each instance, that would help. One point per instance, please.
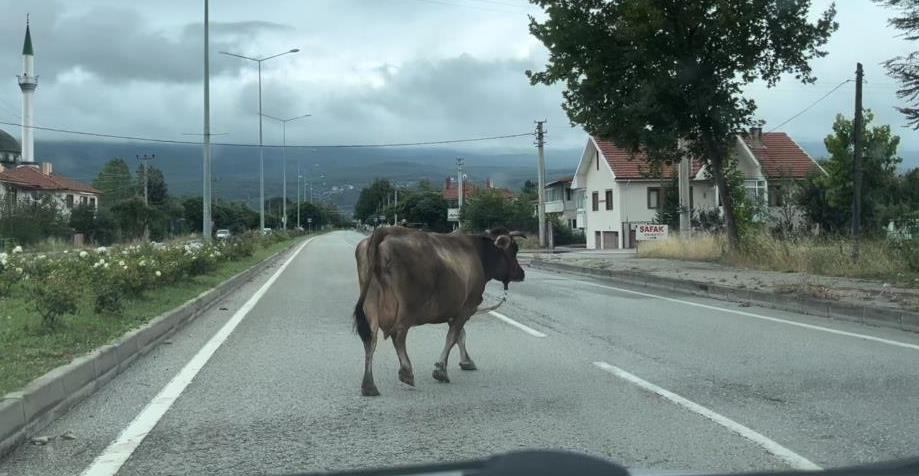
(717, 159)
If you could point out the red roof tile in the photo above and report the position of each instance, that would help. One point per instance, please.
(779, 156)
(629, 167)
(28, 176)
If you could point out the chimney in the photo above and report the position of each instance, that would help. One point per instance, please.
(756, 136)
(46, 168)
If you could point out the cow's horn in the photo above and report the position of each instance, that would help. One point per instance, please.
(517, 234)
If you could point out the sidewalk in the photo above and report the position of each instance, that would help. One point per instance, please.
(813, 294)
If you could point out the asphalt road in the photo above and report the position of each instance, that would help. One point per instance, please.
(658, 382)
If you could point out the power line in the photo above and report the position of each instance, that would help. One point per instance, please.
(811, 105)
(226, 144)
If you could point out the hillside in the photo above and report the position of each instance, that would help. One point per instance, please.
(337, 174)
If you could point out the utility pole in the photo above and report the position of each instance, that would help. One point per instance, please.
(684, 171)
(541, 210)
(299, 177)
(857, 163)
(396, 209)
(206, 192)
(459, 183)
(143, 162)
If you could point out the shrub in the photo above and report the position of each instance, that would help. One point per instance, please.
(701, 247)
(53, 297)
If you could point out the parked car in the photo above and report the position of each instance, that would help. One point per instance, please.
(266, 231)
(222, 234)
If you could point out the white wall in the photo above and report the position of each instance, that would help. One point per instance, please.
(600, 181)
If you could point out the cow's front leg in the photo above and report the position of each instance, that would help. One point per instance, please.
(405, 366)
(440, 367)
(465, 362)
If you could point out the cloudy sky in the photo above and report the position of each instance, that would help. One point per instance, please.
(369, 71)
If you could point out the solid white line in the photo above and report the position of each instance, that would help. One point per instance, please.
(760, 316)
(117, 453)
(793, 459)
(529, 330)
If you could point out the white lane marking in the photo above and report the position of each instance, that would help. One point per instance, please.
(760, 316)
(529, 330)
(117, 453)
(793, 459)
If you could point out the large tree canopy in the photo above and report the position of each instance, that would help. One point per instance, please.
(905, 69)
(115, 182)
(652, 74)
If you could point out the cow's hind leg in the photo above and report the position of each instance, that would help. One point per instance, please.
(405, 365)
(465, 362)
(368, 388)
(440, 367)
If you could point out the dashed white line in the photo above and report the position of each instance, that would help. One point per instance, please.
(117, 453)
(529, 330)
(788, 456)
(759, 316)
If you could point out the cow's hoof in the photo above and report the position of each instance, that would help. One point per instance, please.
(370, 391)
(407, 377)
(468, 365)
(440, 373)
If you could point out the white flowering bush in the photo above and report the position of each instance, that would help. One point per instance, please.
(53, 284)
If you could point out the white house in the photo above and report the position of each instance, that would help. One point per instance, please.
(562, 199)
(620, 192)
(26, 183)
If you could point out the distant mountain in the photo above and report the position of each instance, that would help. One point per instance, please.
(818, 151)
(337, 175)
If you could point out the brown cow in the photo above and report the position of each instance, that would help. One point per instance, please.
(409, 278)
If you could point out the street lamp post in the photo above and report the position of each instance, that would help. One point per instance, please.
(261, 151)
(284, 168)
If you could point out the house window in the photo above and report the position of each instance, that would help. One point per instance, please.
(654, 198)
(567, 194)
(609, 199)
(596, 200)
(92, 201)
(83, 201)
(69, 201)
(597, 159)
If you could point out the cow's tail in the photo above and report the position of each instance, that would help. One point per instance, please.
(361, 324)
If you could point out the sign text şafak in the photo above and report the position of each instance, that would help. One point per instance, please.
(651, 232)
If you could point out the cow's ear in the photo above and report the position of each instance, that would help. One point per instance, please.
(503, 242)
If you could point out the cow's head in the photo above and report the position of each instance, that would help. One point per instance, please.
(507, 268)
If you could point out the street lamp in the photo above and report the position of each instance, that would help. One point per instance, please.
(261, 151)
(284, 172)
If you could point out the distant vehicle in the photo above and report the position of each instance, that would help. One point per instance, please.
(266, 231)
(222, 234)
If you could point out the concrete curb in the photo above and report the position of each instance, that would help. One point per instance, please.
(870, 315)
(46, 398)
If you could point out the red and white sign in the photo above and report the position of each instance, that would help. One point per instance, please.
(651, 232)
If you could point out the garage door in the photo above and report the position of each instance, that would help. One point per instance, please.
(610, 240)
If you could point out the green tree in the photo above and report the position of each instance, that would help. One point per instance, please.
(372, 199)
(905, 69)
(428, 208)
(132, 217)
(157, 190)
(649, 74)
(115, 182)
(827, 199)
(487, 209)
(529, 191)
(83, 219)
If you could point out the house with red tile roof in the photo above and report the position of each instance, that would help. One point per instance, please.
(450, 191)
(26, 183)
(622, 191)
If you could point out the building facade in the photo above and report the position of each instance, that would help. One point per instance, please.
(620, 191)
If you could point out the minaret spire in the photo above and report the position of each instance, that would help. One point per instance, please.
(28, 81)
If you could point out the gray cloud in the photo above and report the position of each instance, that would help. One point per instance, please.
(369, 71)
(116, 44)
